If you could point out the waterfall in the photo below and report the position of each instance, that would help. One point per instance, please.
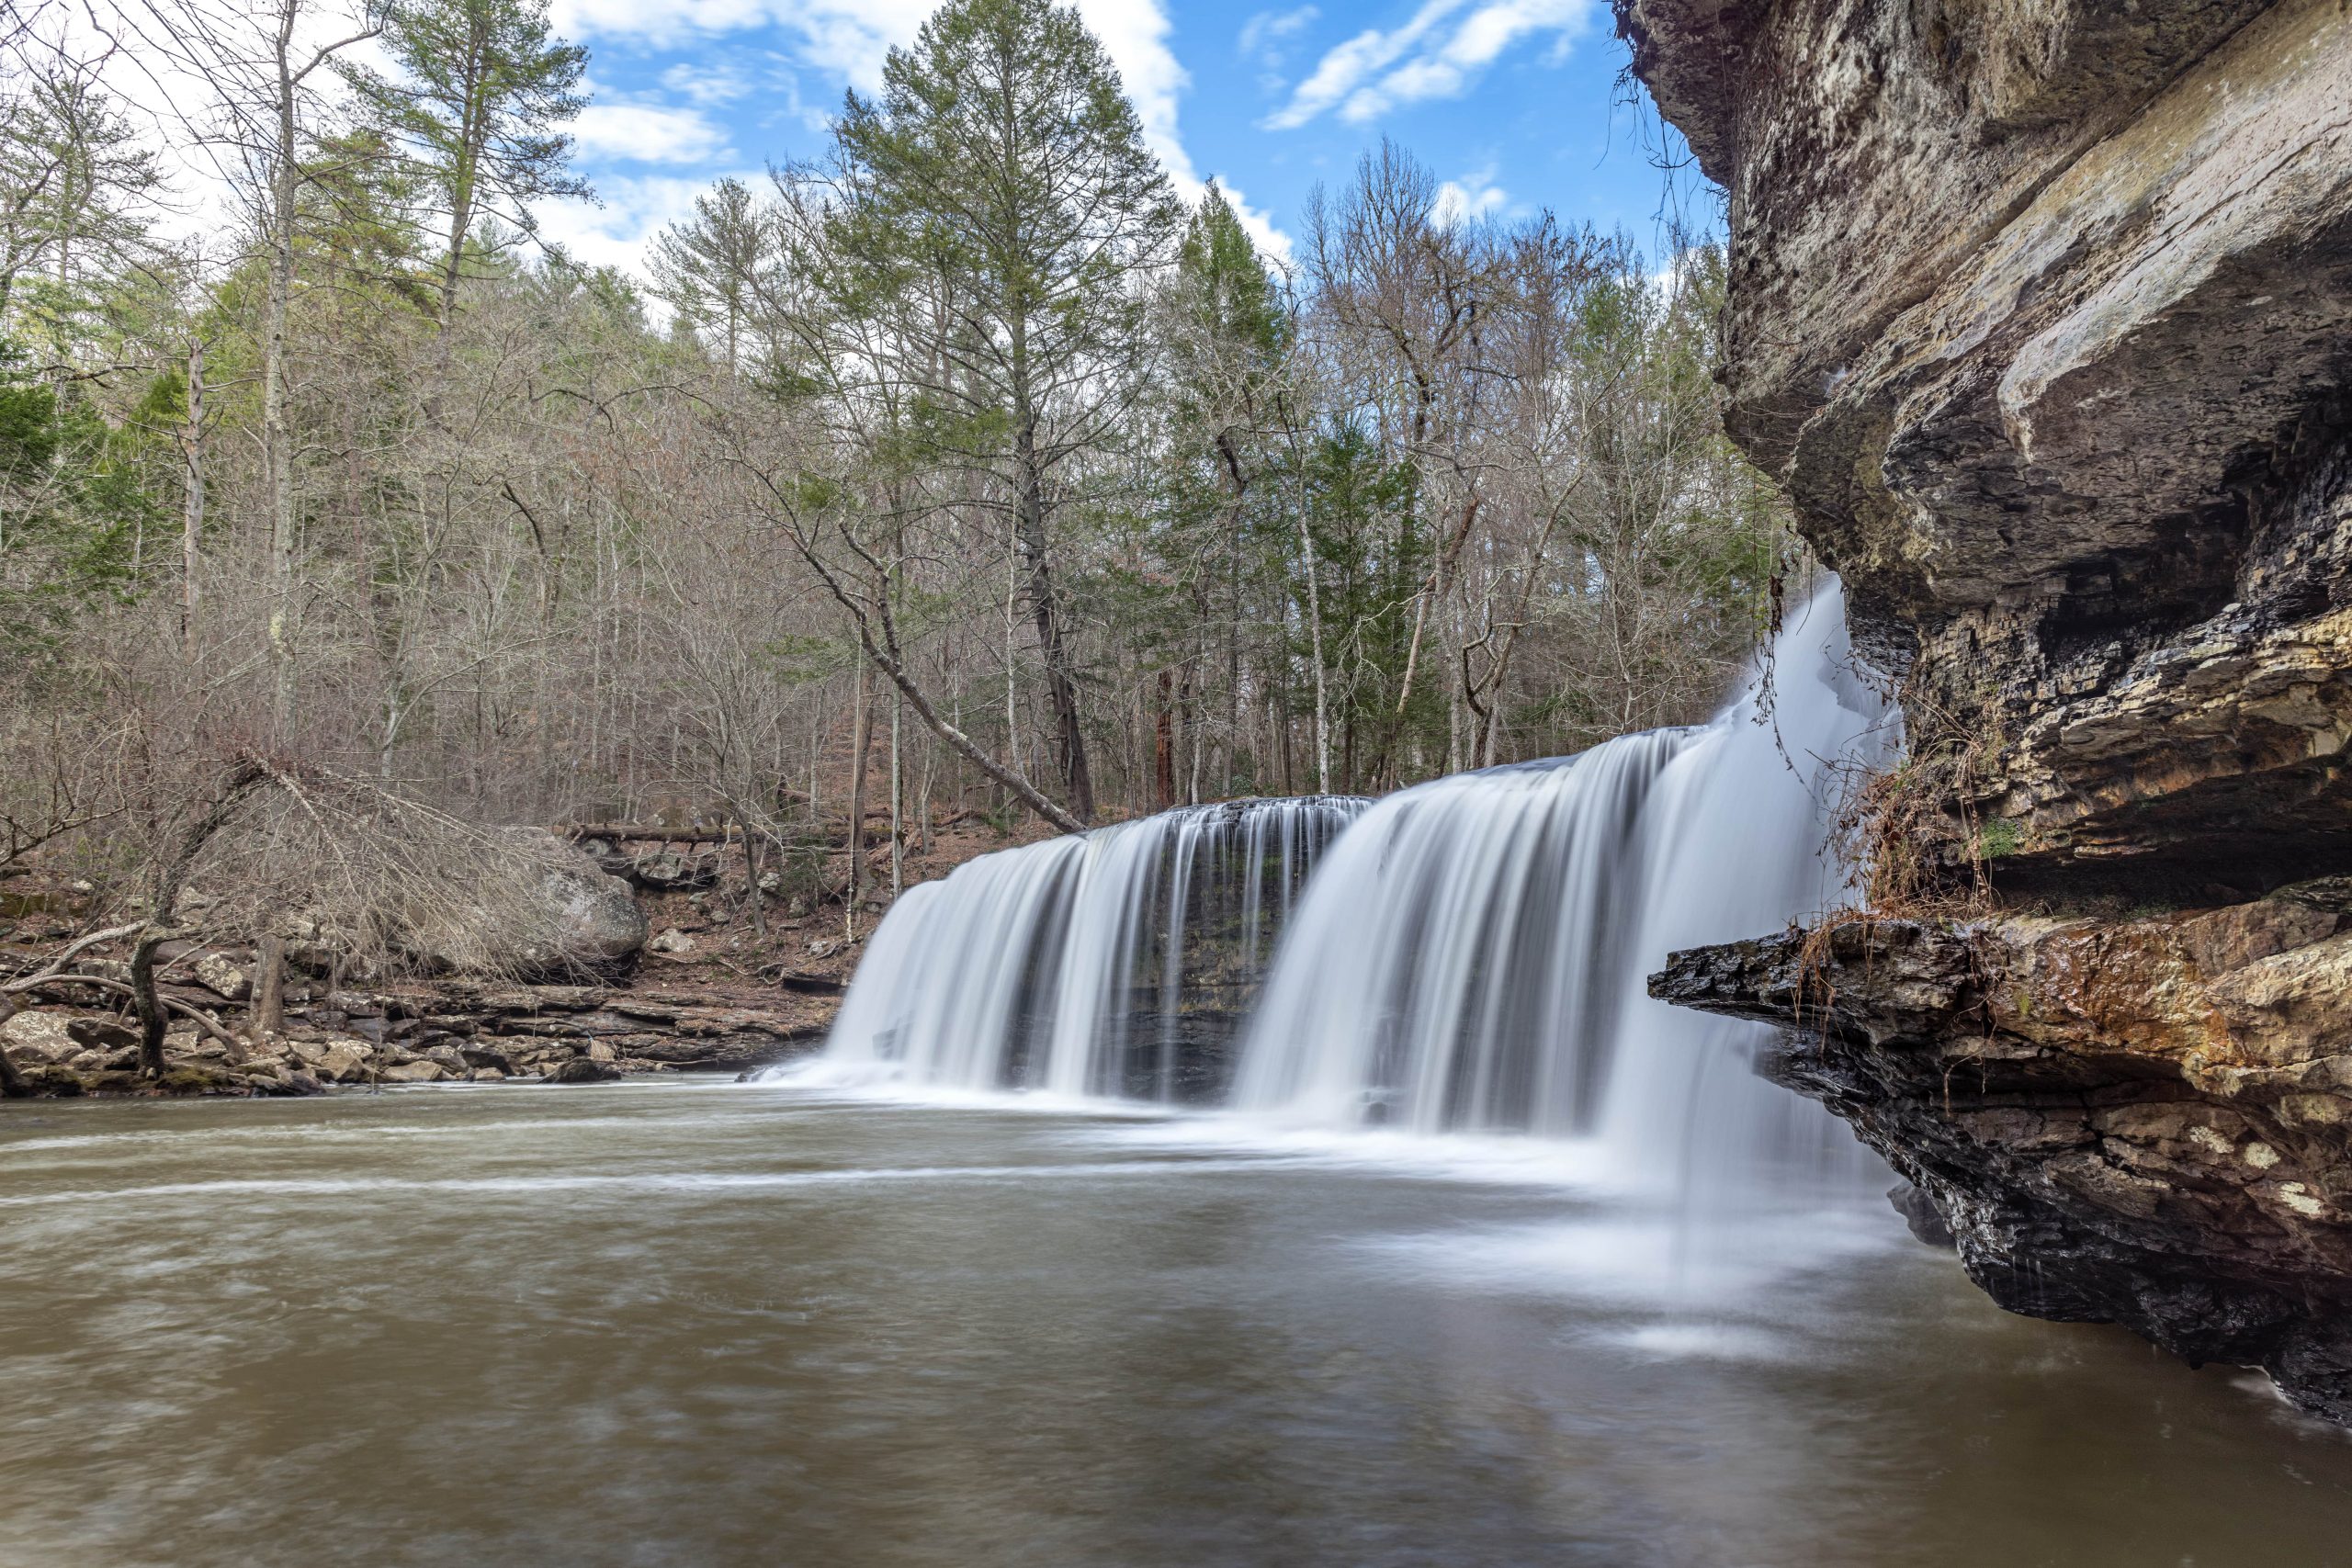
(1472, 955)
(1118, 962)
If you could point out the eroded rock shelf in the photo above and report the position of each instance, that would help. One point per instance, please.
(2043, 312)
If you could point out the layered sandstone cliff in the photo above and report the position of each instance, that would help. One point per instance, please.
(2043, 310)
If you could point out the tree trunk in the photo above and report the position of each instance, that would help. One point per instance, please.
(1061, 688)
(145, 1002)
(1315, 646)
(1163, 751)
(278, 456)
(12, 1083)
(751, 884)
(898, 801)
(192, 510)
(861, 724)
(268, 1013)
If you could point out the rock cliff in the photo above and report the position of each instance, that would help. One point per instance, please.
(2042, 310)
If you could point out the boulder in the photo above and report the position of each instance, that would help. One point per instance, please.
(341, 1062)
(418, 1071)
(102, 1034)
(675, 942)
(216, 974)
(593, 919)
(584, 1069)
(487, 1058)
(38, 1036)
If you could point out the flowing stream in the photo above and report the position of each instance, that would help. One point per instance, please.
(1472, 956)
(669, 1325)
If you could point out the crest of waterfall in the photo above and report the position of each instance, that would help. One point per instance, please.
(1472, 956)
(1118, 962)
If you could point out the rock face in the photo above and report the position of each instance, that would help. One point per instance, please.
(2140, 1122)
(2042, 310)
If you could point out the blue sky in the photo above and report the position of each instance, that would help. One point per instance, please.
(1511, 103)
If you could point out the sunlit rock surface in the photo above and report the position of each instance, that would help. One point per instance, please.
(2043, 311)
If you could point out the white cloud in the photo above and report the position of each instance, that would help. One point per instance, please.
(1438, 52)
(850, 39)
(1134, 35)
(1469, 198)
(634, 130)
(709, 83)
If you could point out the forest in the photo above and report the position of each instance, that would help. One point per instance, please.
(961, 471)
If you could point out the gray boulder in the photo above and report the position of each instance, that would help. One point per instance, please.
(593, 922)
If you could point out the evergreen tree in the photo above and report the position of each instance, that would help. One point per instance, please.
(1001, 193)
(482, 92)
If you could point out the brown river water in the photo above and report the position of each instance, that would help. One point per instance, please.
(709, 1325)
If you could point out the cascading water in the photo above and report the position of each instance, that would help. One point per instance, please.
(1471, 957)
(1118, 962)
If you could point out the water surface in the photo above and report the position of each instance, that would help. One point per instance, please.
(678, 1324)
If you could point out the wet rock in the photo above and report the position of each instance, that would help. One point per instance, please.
(2043, 312)
(45, 1080)
(1919, 1212)
(341, 1062)
(483, 1058)
(193, 1078)
(584, 1069)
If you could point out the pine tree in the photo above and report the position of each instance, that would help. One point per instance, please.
(1000, 187)
(482, 91)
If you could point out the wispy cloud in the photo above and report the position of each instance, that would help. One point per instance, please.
(634, 209)
(710, 83)
(1438, 52)
(1263, 33)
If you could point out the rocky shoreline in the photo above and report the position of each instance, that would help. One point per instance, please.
(561, 1034)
